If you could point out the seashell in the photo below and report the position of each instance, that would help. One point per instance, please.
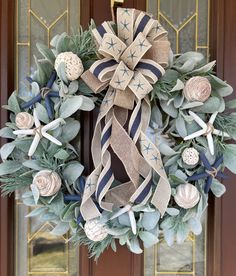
(73, 65)
(190, 156)
(197, 89)
(187, 196)
(95, 230)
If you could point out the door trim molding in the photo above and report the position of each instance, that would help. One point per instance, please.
(6, 86)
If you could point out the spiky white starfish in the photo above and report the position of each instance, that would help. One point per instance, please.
(207, 130)
(39, 132)
(128, 209)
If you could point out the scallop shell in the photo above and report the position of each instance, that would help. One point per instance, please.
(187, 196)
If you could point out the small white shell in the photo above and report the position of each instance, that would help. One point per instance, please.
(190, 156)
(73, 65)
(95, 230)
(187, 196)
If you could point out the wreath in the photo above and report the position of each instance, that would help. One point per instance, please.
(163, 116)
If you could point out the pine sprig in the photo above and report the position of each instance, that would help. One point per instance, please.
(16, 181)
(95, 248)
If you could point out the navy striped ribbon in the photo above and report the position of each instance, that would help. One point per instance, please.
(109, 174)
(103, 66)
(144, 193)
(150, 67)
(142, 25)
(136, 123)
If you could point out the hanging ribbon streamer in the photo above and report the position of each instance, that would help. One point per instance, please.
(130, 62)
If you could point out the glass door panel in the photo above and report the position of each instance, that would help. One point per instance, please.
(187, 23)
(37, 251)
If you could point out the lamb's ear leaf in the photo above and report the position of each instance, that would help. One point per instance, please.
(6, 150)
(13, 103)
(61, 228)
(46, 52)
(9, 167)
(217, 188)
(230, 157)
(75, 103)
(35, 192)
(148, 239)
(134, 246)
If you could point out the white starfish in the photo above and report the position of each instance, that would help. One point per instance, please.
(207, 130)
(128, 209)
(39, 132)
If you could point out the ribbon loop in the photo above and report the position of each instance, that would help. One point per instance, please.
(111, 46)
(136, 51)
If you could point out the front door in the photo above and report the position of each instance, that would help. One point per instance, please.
(26, 246)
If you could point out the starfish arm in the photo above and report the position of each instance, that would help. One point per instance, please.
(220, 133)
(52, 79)
(213, 117)
(208, 184)
(24, 132)
(210, 143)
(51, 138)
(49, 108)
(54, 94)
(72, 197)
(121, 211)
(29, 79)
(198, 120)
(132, 222)
(195, 134)
(34, 145)
(218, 161)
(36, 120)
(205, 162)
(197, 176)
(33, 101)
(52, 125)
(222, 175)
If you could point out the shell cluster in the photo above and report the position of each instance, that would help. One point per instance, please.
(187, 196)
(73, 65)
(190, 156)
(95, 230)
(197, 89)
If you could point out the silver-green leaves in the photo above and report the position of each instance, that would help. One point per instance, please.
(75, 103)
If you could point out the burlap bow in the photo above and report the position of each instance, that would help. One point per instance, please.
(130, 62)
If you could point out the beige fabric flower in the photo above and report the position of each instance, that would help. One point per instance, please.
(197, 89)
(190, 156)
(47, 182)
(95, 230)
(73, 65)
(24, 120)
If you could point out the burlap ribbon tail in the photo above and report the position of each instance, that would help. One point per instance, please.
(130, 62)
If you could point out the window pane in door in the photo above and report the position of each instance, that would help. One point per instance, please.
(187, 23)
(37, 251)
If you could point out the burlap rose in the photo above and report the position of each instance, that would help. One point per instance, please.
(24, 120)
(73, 65)
(47, 182)
(197, 89)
